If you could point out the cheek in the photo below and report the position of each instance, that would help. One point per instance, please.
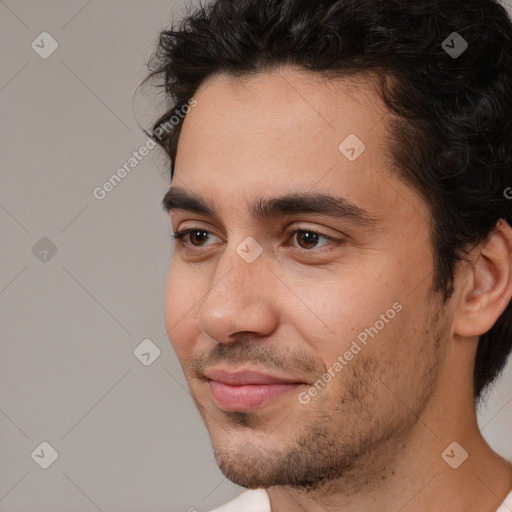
(180, 298)
(345, 304)
(368, 314)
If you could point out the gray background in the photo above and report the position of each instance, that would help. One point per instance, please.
(128, 435)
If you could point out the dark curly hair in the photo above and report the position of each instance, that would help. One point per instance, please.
(451, 137)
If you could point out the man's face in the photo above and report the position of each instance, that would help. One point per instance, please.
(259, 323)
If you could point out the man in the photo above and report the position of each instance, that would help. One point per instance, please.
(339, 294)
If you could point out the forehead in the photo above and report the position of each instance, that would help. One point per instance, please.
(281, 109)
(286, 131)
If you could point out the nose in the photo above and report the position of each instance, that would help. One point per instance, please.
(241, 301)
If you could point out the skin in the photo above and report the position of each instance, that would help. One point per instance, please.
(374, 435)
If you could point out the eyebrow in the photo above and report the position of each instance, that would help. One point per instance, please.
(269, 207)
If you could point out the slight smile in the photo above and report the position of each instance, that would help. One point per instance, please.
(247, 390)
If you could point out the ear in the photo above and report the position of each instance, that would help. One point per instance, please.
(487, 283)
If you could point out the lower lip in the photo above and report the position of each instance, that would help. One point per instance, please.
(249, 397)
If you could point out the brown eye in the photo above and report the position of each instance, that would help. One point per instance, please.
(197, 237)
(307, 239)
(193, 237)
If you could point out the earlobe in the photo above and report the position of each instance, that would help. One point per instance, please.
(488, 283)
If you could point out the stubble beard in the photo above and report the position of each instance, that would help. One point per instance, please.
(341, 435)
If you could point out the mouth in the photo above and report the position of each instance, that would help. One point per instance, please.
(244, 391)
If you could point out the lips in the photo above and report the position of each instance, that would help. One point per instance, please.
(247, 390)
(243, 378)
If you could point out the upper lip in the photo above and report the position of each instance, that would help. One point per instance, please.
(247, 377)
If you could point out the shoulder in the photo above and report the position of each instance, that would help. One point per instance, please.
(249, 501)
(506, 506)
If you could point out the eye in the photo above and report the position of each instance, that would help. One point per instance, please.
(194, 236)
(305, 239)
(309, 239)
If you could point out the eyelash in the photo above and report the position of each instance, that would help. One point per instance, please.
(180, 236)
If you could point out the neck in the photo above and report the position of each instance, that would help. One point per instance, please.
(414, 473)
